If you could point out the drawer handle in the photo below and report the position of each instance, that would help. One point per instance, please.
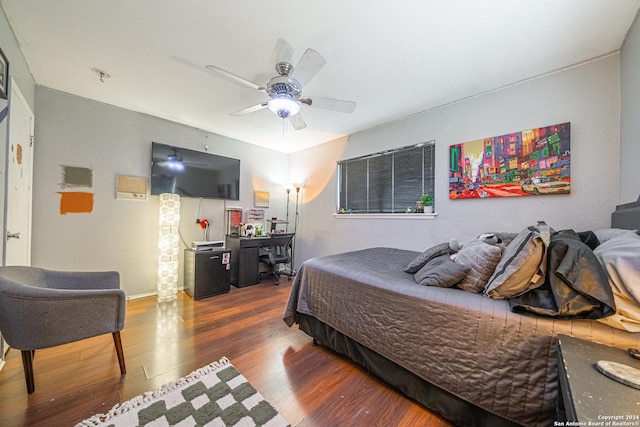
(214, 257)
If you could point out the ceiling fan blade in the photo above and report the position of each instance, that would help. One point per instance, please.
(232, 76)
(282, 52)
(329, 104)
(250, 109)
(297, 121)
(310, 63)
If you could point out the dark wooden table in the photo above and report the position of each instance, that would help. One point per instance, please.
(586, 395)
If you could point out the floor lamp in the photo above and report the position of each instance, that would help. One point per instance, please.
(295, 226)
(168, 245)
(286, 226)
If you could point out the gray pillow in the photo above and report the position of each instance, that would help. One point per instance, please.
(505, 237)
(481, 258)
(441, 272)
(428, 255)
(523, 264)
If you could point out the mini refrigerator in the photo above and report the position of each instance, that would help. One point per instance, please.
(207, 273)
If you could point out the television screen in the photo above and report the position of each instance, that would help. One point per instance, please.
(191, 173)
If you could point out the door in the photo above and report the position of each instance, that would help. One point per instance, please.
(18, 204)
(16, 236)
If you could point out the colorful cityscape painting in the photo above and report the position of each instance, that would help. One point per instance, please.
(528, 163)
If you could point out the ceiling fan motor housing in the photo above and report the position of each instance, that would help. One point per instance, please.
(284, 88)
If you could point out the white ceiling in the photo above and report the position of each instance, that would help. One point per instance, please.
(393, 58)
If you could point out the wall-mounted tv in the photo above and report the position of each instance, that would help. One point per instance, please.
(191, 173)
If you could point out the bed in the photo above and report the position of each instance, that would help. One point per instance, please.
(467, 356)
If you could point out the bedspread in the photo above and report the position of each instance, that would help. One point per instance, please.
(467, 344)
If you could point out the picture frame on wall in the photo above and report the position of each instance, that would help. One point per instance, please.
(4, 75)
(261, 199)
(531, 162)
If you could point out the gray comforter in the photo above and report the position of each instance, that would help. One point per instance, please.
(470, 345)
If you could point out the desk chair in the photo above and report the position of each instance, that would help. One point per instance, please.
(277, 253)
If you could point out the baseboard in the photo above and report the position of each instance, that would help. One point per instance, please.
(147, 294)
(144, 295)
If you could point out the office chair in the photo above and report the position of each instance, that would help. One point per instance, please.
(277, 253)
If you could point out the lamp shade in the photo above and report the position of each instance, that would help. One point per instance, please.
(284, 106)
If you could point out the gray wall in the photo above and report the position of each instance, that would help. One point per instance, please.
(630, 117)
(122, 234)
(18, 67)
(588, 96)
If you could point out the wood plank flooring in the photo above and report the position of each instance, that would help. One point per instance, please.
(310, 386)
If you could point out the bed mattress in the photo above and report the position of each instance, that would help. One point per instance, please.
(472, 346)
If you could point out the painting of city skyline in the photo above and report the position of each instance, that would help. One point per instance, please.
(528, 163)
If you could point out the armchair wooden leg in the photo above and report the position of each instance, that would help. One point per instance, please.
(27, 363)
(118, 342)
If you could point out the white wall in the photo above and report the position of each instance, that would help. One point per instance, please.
(630, 117)
(587, 96)
(121, 234)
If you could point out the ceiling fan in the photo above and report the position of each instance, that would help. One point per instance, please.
(174, 161)
(285, 90)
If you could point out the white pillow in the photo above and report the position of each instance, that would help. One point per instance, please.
(620, 257)
(606, 234)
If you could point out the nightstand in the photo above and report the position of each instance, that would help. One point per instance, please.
(585, 394)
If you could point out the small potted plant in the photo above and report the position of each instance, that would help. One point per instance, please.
(427, 203)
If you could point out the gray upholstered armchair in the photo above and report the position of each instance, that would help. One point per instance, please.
(43, 308)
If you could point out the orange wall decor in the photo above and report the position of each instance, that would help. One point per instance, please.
(75, 202)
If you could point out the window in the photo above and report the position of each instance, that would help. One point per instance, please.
(387, 182)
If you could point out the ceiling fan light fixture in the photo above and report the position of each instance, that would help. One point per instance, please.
(284, 107)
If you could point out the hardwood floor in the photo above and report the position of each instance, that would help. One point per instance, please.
(310, 386)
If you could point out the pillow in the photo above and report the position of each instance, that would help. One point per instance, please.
(589, 238)
(609, 233)
(481, 258)
(441, 272)
(505, 237)
(523, 264)
(428, 255)
(619, 257)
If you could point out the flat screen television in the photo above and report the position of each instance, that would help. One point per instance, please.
(191, 173)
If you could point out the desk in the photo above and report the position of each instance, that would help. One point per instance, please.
(245, 261)
(585, 393)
